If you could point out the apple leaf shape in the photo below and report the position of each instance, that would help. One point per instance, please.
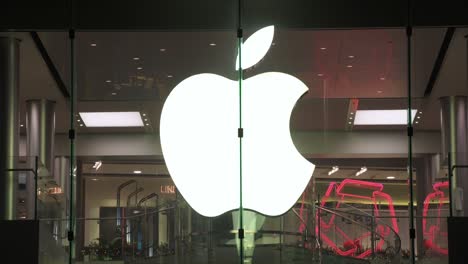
(256, 47)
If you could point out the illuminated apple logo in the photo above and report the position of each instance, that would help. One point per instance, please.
(198, 130)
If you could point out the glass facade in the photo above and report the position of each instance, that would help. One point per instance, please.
(257, 144)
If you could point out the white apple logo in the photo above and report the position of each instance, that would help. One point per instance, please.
(200, 144)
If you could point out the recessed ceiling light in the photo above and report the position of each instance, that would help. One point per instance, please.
(349, 66)
(350, 123)
(320, 74)
(361, 171)
(383, 117)
(169, 76)
(137, 172)
(81, 125)
(139, 68)
(417, 122)
(333, 170)
(420, 112)
(78, 120)
(136, 58)
(212, 44)
(352, 113)
(162, 50)
(94, 179)
(147, 124)
(21, 125)
(379, 92)
(382, 78)
(351, 56)
(108, 81)
(323, 48)
(419, 117)
(114, 93)
(390, 177)
(143, 114)
(350, 117)
(112, 119)
(93, 45)
(146, 119)
(273, 44)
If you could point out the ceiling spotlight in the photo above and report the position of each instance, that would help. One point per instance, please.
(212, 44)
(78, 120)
(418, 117)
(114, 93)
(382, 78)
(420, 112)
(81, 125)
(162, 50)
(21, 125)
(273, 44)
(333, 170)
(349, 66)
(93, 45)
(140, 68)
(352, 113)
(146, 119)
(143, 114)
(350, 123)
(351, 118)
(323, 48)
(137, 172)
(169, 76)
(320, 74)
(379, 91)
(94, 179)
(147, 124)
(351, 56)
(108, 81)
(390, 177)
(417, 122)
(136, 58)
(361, 171)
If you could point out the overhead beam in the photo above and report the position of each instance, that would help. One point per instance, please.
(27, 15)
(50, 65)
(439, 60)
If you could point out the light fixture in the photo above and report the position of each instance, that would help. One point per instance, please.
(420, 112)
(418, 117)
(93, 45)
(139, 68)
(350, 123)
(143, 114)
(333, 170)
(323, 48)
(97, 165)
(112, 119)
(361, 171)
(137, 172)
(169, 76)
(146, 119)
(350, 117)
(320, 74)
(21, 125)
(382, 78)
(23, 217)
(351, 113)
(147, 124)
(212, 44)
(81, 125)
(383, 117)
(114, 93)
(94, 179)
(351, 56)
(108, 81)
(379, 91)
(390, 177)
(349, 66)
(162, 50)
(136, 58)
(417, 122)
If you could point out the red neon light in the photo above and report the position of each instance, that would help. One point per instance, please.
(432, 232)
(353, 247)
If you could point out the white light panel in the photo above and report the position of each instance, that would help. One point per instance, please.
(383, 117)
(112, 119)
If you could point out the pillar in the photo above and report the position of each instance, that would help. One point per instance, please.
(9, 124)
(453, 125)
(40, 130)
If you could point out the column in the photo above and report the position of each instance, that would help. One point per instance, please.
(453, 125)
(40, 130)
(9, 125)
